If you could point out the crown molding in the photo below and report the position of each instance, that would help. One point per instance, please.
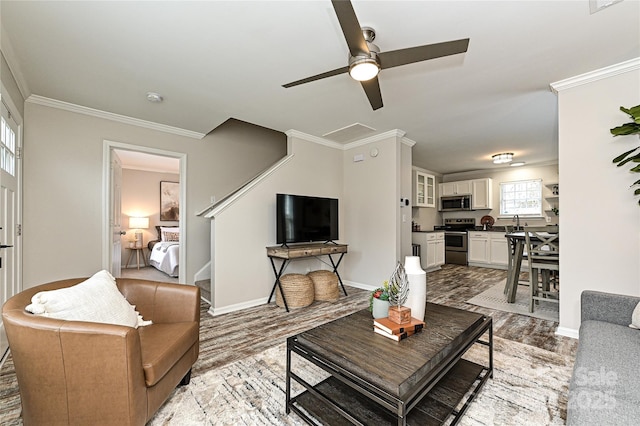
(396, 133)
(409, 142)
(53, 103)
(590, 77)
(344, 147)
(315, 139)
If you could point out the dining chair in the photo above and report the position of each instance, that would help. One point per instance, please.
(543, 250)
(512, 249)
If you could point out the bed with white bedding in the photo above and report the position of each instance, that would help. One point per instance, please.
(165, 257)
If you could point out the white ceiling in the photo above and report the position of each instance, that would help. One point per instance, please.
(148, 162)
(220, 59)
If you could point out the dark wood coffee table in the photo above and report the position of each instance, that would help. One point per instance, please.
(421, 380)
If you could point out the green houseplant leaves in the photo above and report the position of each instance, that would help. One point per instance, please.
(633, 155)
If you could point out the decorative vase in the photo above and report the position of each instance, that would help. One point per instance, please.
(380, 308)
(417, 299)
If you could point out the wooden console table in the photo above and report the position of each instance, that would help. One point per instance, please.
(301, 251)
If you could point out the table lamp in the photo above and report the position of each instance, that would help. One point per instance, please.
(137, 224)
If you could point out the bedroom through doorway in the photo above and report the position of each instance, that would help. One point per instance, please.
(150, 215)
(144, 213)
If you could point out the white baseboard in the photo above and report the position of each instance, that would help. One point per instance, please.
(567, 332)
(263, 301)
(359, 285)
(485, 265)
(237, 307)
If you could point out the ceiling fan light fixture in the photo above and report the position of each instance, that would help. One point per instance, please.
(363, 68)
(502, 158)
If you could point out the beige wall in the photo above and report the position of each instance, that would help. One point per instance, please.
(63, 184)
(370, 218)
(599, 216)
(141, 198)
(241, 271)
(372, 192)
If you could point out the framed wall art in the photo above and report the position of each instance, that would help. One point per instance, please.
(169, 201)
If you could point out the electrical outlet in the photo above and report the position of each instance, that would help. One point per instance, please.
(548, 219)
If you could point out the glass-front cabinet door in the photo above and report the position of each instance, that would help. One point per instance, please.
(424, 189)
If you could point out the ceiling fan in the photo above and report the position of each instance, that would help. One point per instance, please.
(366, 60)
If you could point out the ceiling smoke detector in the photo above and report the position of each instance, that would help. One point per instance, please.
(154, 97)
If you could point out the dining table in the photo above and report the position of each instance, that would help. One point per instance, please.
(517, 242)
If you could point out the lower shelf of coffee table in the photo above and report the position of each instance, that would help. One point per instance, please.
(434, 409)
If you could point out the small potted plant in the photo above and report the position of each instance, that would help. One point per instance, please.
(379, 301)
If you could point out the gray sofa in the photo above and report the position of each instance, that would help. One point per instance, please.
(605, 386)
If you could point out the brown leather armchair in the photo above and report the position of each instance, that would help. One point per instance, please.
(80, 373)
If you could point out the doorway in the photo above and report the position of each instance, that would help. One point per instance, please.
(139, 215)
(10, 206)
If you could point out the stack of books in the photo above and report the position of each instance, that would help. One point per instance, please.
(387, 328)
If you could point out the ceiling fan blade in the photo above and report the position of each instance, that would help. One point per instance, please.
(317, 77)
(372, 89)
(395, 58)
(350, 27)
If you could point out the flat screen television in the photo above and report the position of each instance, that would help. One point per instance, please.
(302, 219)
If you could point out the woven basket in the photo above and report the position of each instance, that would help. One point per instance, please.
(297, 288)
(325, 284)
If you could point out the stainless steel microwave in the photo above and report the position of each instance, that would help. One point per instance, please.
(455, 203)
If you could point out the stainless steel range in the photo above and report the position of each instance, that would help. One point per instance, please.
(456, 239)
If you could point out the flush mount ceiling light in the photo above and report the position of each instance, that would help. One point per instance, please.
(505, 157)
(363, 68)
(154, 97)
(517, 164)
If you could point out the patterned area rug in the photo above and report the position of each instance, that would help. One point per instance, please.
(494, 298)
(529, 386)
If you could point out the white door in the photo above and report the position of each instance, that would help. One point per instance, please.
(9, 212)
(115, 216)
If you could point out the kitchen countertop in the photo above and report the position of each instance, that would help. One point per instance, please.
(500, 229)
(492, 229)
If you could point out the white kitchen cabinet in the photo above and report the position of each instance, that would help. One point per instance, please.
(498, 249)
(478, 251)
(431, 249)
(488, 249)
(481, 194)
(462, 187)
(439, 249)
(424, 189)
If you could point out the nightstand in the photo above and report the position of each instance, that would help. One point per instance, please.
(139, 251)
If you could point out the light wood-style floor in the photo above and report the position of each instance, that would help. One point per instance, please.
(233, 336)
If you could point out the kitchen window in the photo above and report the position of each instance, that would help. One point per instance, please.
(523, 198)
